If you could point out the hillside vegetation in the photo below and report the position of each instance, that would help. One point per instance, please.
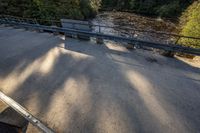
(83, 9)
(190, 25)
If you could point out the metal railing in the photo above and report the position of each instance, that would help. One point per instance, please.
(25, 113)
(58, 23)
(36, 24)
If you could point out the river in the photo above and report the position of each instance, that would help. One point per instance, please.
(121, 22)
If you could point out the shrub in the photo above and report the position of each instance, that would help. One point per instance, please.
(190, 23)
(51, 9)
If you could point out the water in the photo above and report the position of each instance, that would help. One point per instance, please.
(121, 22)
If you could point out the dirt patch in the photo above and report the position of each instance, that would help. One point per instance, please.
(151, 60)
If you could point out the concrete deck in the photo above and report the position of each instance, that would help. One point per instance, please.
(76, 86)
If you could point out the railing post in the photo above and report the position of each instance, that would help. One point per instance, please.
(99, 40)
(131, 45)
(16, 21)
(171, 53)
(38, 29)
(25, 22)
(55, 32)
(177, 40)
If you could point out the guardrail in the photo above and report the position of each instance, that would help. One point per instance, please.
(131, 40)
(98, 26)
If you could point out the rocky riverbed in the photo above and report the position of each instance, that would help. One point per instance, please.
(129, 24)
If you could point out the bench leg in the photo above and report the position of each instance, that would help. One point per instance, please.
(83, 37)
(67, 35)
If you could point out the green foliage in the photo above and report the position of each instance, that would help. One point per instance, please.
(169, 10)
(50, 9)
(84, 9)
(89, 8)
(190, 22)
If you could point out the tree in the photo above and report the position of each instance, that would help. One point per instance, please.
(50, 9)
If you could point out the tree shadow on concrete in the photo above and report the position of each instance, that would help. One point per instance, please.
(85, 90)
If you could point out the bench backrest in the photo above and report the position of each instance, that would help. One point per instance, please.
(76, 24)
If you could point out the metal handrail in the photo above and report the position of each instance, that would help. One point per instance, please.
(25, 113)
(130, 40)
(105, 26)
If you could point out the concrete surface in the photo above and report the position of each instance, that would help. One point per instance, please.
(81, 87)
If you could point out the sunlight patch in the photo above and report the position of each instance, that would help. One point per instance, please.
(146, 92)
(49, 61)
